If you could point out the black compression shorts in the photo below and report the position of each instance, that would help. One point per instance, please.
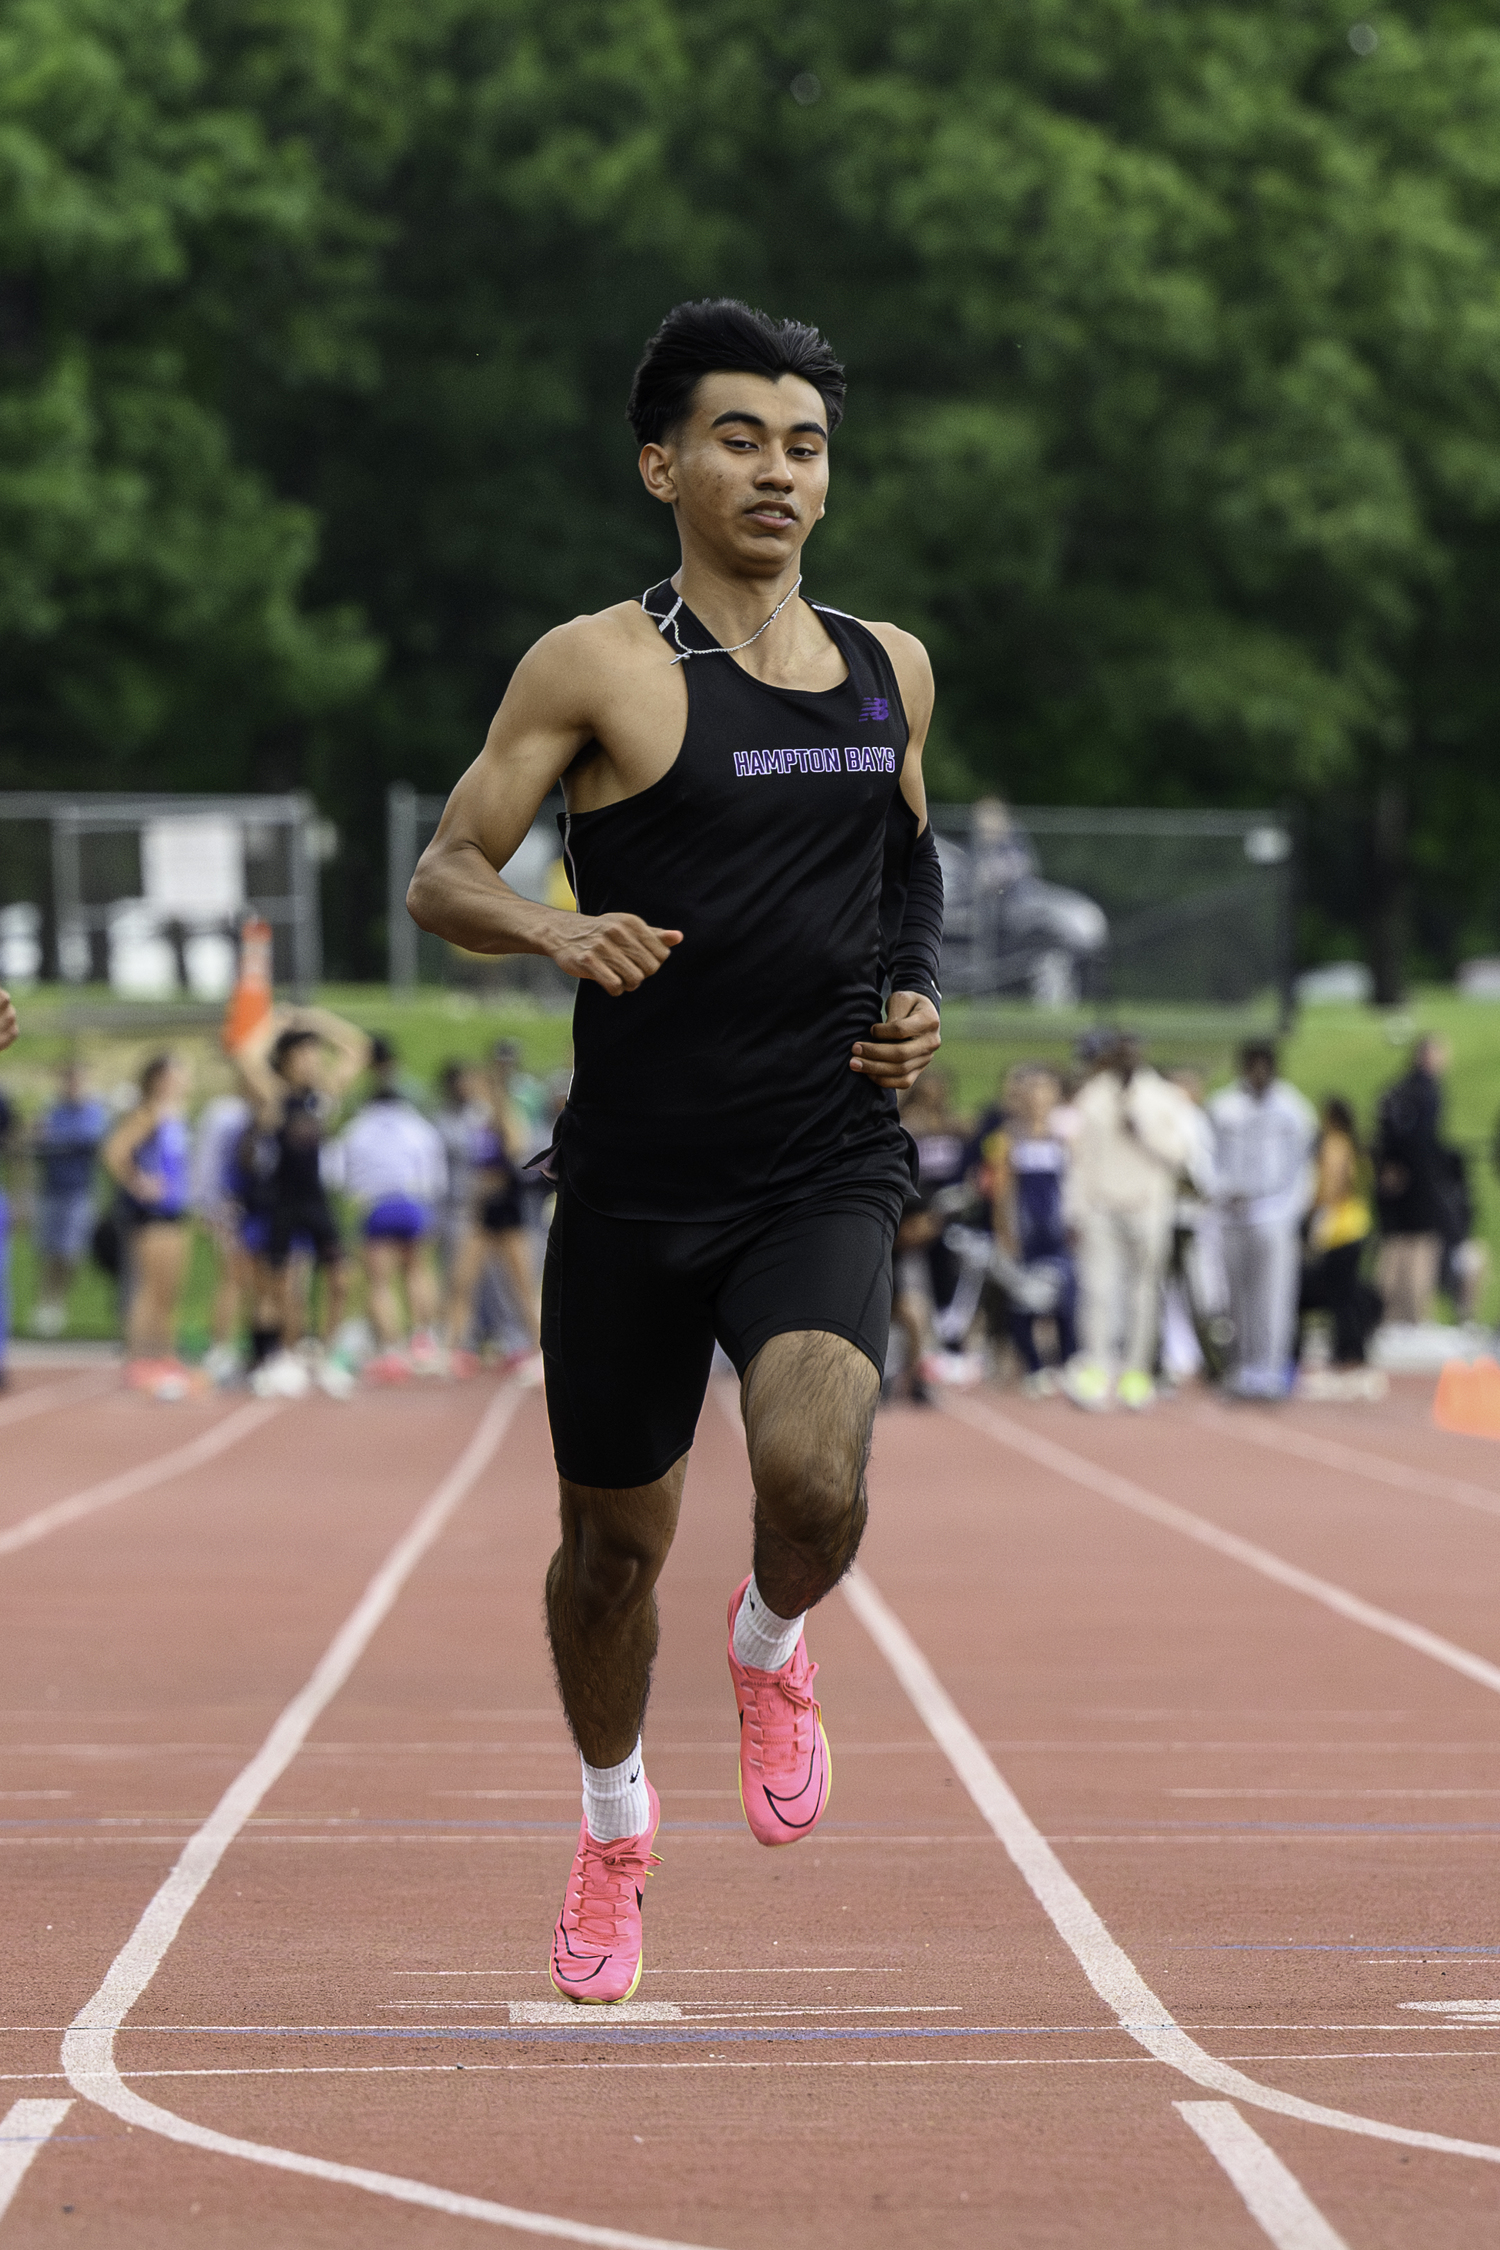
(291, 1225)
(631, 1309)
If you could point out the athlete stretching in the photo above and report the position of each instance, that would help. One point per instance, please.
(746, 837)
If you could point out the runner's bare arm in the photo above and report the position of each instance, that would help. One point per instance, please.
(251, 1059)
(351, 1046)
(9, 1027)
(545, 720)
(899, 1050)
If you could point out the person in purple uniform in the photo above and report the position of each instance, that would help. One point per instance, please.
(759, 915)
(149, 1157)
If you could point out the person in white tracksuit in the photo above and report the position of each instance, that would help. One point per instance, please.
(1264, 1133)
(391, 1161)
(1136, 1135)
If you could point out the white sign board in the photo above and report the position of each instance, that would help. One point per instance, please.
(193, 868)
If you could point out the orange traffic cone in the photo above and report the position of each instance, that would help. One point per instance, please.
(1468, 1398)
(250, 1001)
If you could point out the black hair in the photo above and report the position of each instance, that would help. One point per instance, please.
(451, 1076)
(1340, 1117)
(285, 1044)
(153, 1073)
(1258, 1050)
(717, 336)
(382, 1053)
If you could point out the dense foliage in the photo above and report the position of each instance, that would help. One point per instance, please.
(1173, 329)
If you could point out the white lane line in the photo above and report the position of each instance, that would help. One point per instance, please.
(1078, 1469)
(1272, 2195)
(213, 1442)
(23, 2129)
(88, 2048)
(44, 1397)
(1329, 1454)
(1107, 1966)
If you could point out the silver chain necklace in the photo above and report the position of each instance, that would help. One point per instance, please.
(670, 619)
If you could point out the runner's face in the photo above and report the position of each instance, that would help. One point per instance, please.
(748, 470)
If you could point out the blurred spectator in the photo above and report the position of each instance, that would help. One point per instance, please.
(66, 1145)
(1263, 1137)
(7, 1128)
(1409, 1185)
(1463, 1259)
(1195, 1328)
(520, 1101)
(1136, 1135)
(391, 1161)
(148, 1155)
(9, 1027)
(295, 1066)
(502, 1259)
(217, 1138)
(927, 1306)
(461, 1115)
(1028, 1166)
(1339, 1226)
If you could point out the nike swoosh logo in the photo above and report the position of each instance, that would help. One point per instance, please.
(635, 1777)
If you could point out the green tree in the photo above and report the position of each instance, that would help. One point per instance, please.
(152, 630)
(1174, 422)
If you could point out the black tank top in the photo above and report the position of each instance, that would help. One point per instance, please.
(299, 1142)
(773, 842)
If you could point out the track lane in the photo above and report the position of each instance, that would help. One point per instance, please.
(40, 1396)
(100, 1437)
(391, 1906)
(1192, 1681)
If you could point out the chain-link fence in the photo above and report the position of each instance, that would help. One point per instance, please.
(1057, 907)
(145, 894)
(536, 871)
(1068, 907)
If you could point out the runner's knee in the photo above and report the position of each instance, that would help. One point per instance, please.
(611, 1557)
(814, 1494)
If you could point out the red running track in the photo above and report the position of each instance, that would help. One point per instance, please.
(1260, 1828)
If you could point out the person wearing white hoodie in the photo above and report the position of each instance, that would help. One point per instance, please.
(1264, 1133)
(390, 1161)
(1136, 1135)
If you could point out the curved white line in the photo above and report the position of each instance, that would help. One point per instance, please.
(88, 2048)
(131, 1481)
(1107, 1966)
(47, 1397)
(1078, 1469)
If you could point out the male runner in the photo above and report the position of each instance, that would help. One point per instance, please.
(746, 838)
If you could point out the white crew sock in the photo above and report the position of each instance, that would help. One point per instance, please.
(615, 1803)
(761, 1638)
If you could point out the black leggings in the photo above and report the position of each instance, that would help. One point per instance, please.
(1332, 1284)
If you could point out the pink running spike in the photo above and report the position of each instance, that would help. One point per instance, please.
(596, 1947)
(786, 1772)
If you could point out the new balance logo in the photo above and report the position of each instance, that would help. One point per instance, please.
(876, 707)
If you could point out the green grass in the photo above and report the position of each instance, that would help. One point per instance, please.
(1343, 1050)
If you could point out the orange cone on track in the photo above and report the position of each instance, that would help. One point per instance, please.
(1468, 1398)
(250, 1001)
